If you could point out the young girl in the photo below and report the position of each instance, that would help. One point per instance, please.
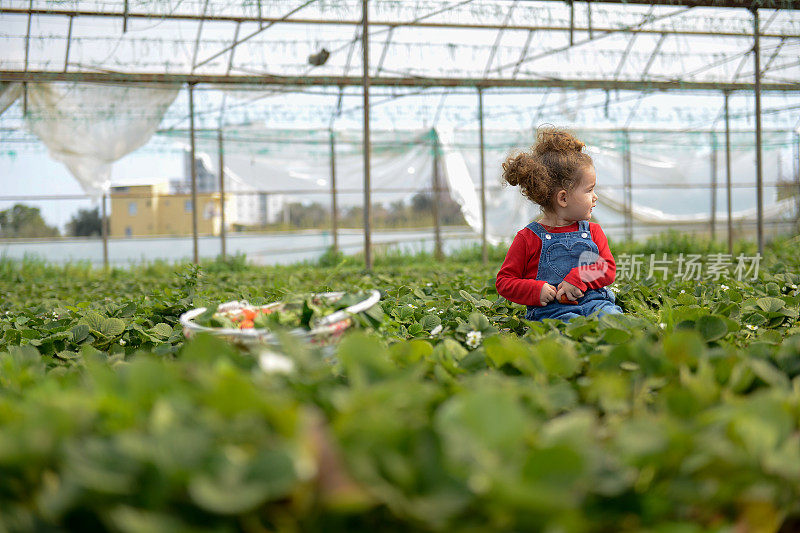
(558, 267)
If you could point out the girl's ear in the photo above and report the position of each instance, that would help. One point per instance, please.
(561, 198)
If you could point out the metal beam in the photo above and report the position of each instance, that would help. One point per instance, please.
(261, 29)
(498, 38)
(199, 33)
(484, 252)
(386, 23)
(365, 83)
(524, 53)
(759, 169)
(193, 166)
(644, 73)
(383, 53)
(632, 27)
(728, 179)
(104, 227)
(385, 81)
(69, 40)
(233, 49)
(220, 148)
(334, 207)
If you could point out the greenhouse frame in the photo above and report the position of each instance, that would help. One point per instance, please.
(232, 77)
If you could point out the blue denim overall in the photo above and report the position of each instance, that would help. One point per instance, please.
(561, 253)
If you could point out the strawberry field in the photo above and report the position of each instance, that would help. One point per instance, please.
(445, 411)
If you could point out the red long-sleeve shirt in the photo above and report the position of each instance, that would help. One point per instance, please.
(517, 281)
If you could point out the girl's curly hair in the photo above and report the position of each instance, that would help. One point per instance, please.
(552, 164)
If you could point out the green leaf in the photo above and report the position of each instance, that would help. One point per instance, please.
(429, 322)
(468, 297)
(770, 305)
(712, 328)
(507, 349)
(79, 332)
(615, 336)
(556, 358)
(108, 327)
(479, 322)
(162, 330)
(235, 489)
(113, 327)
(409, 352)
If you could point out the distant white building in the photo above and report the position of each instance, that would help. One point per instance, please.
(244, 204)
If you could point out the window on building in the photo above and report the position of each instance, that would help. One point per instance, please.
(187, 206)
(133, 208)
(208, 212)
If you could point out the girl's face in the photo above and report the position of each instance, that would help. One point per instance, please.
(582, 199)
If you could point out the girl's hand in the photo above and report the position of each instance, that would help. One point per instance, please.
(569, 290)
(548, 294)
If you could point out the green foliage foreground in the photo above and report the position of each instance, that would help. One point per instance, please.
(455, 415)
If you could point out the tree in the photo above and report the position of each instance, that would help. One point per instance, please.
(24, 222)
(85, 223)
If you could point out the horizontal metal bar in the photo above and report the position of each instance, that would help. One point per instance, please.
(352, 81)
(384, 23)
(125, 196)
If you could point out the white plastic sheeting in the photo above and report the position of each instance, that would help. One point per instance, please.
(668, 183)
(9, 92)
(122, 120)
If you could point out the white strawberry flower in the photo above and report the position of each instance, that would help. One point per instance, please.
(751, 327)
(724, 287)
(662, 325)
(436, 330)
(474, 338)
(122, 342)
(683, 291)
(275, 363)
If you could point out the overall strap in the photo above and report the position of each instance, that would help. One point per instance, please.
(538, 229)
(583, 225)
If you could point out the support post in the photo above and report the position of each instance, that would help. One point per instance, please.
(627, 185)
(195, 251)
(484, 252)
(437, 228)
(334, 209)
(221, 194)
(728, 184)
(104, 229)
(797, 176)
(759, 171)
(367, 147)
(713, 185)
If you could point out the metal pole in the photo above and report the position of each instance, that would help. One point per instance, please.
(104, 229)
(797, 176)
(221, 193)
(728, 173)
(713, 186)
(759, 176)
(195, 252)
(334, 209)
(484, 252)
(437, 228)
(627, 184)
(367, 148)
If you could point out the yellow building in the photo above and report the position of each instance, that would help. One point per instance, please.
(151, 210)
